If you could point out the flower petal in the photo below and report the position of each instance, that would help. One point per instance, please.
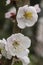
(25, 60)
(21, 24)
(37, 8)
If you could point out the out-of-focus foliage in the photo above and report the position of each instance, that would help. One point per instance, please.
(5, 25)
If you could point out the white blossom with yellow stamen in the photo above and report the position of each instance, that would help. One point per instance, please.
(26, 16)
(17, 45)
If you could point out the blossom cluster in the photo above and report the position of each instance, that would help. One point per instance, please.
(26, 16)
(17, 45)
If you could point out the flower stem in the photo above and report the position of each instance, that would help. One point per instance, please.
(13, 61)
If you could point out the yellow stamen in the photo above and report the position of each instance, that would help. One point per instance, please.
(28, 15)
(15, 44)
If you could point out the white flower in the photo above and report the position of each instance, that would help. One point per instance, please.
(26, 16)
(25, 60)
(17, 45)
(37, 8)
(8, 2)
(11, 13)
(2, 44)
(3, 50)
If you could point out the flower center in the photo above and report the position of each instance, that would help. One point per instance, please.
(13, 15)
(15, 44)
(28, 15)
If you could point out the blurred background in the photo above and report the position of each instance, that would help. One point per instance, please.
(35, 33)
